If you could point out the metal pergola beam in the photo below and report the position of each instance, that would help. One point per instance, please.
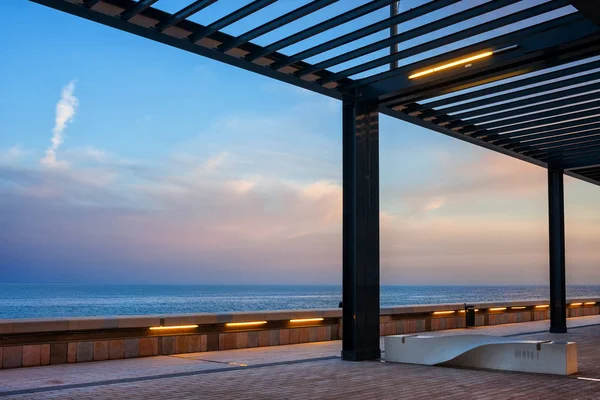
(552, 140)
(467, 99)
(557, 101)
(510, 141)
(276, 23)
(532, 45)
(434, 44)
(399, 38)
(182, 14)
(541, 118)
(134, 10)
(365, 31)
(563, 147)
(229, 19)
(548, 124)
(321, 27)
(184, 43)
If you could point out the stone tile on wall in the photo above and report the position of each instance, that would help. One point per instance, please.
(263, 338)
(132, 348)
(32, 355)
(274, 337)
(197, 343)
(323, 333)
(294, 336)
(148, 347)
(101, 350)
(212, 341)
(85, 351)
(241, 340)
(253, 339)
(227, 341)
(167, 345)
(12, 357)
(116, 349)
(182, 344)
(313, 334)
(58, 353)
(44, 355)
(303, 335)
(284, 336)
(72, 352)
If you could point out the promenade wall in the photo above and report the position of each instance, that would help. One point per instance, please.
(36, 342)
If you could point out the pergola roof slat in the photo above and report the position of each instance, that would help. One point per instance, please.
(276, 23)
(321, 27)
(366, 31)
(421, 30)
(136, 9)
(184, 13)
(229, 19)
(527, 91)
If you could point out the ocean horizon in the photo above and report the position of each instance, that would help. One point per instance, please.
(81, 300)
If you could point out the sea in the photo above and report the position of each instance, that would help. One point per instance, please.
(48, 301)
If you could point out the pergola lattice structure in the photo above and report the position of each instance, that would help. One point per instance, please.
(520, 77)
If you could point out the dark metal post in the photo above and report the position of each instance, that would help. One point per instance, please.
(556, 211)
(360, 230)
(393, 32)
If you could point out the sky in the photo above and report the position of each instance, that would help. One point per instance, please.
(127, 161)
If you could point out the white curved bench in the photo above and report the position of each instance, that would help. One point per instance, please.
(482, 351)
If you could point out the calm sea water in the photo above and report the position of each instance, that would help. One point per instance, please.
(40, 301)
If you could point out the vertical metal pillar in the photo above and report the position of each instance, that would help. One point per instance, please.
(556, 224)
(393, 32)
(360, 230)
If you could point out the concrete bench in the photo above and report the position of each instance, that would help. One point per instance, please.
(482, 351)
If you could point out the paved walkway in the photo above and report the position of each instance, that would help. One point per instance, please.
(311, 370)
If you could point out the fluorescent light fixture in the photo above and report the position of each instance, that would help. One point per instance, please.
(543, 306)
(590, 303)
(497, 309)
(462, 311)
(517, 308)
(443, 312)
(163, 328)
(576, 304)
(462, 61)
(238, 324)
(295, 321)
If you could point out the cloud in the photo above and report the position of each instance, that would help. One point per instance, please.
(258, 199)
(11, 154)
(65, 112)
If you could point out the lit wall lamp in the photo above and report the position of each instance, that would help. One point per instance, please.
(164, 328)
(299, 321)
(463, 61)
(242, 324)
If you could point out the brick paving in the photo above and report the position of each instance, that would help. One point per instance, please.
(219, 376)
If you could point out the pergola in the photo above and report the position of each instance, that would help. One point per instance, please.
(518, 77)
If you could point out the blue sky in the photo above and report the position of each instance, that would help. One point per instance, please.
(174, 168)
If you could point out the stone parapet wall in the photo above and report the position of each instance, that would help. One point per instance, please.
(36, 342)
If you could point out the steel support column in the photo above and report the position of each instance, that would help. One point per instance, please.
(360, 230)
(556, 211)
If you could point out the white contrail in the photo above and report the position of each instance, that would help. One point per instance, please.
(65, 112)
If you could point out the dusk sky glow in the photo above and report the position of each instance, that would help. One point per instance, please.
(127, 161)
